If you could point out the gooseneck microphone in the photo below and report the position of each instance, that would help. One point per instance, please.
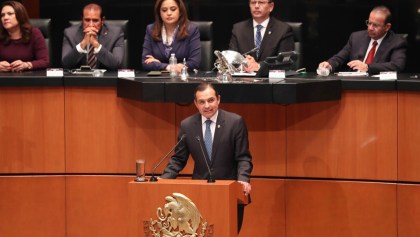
(210, 179)
(250, 51)
(153, 178)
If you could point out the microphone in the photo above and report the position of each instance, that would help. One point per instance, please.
(250, 51)
(210, 179)
(153, 178)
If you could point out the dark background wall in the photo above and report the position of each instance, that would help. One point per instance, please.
(327, 24)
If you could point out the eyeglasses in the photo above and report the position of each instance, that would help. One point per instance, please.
(376, 26)
(260, 3)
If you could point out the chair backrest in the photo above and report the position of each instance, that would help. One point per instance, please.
(44, 25)
(404, 36)
(206, 38)
(298, 37)
(124, 25)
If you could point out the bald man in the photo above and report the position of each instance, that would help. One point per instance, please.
(373, 50)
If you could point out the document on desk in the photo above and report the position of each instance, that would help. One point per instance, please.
(388, 75)
(352, 74)
(244, 74)
(87, 72)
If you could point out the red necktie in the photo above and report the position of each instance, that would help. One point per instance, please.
(371, 55)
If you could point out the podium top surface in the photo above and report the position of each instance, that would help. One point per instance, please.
(187, 181)
(229, 184)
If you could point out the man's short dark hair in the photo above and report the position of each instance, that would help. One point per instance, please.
(202, 87)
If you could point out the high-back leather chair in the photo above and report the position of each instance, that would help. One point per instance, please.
(298, 37)
(44, 25)
(124, 25)
(206, 38)
(404, 36)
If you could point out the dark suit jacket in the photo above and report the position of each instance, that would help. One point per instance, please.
(231, 158)
(188, 48)
(109, 57)
(278, 37)
(390, 56)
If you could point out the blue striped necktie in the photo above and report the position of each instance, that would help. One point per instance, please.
(208, 141)
(258, 39)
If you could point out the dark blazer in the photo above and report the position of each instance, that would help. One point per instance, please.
(188, 48)
(109, 57)
(278, 37)
(230, 159)
(390, 56)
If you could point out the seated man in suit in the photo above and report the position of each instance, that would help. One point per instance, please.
(93, 43)
(216, 138)
(261, 36)
(373, 50)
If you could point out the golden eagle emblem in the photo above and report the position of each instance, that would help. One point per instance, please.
(179, 217)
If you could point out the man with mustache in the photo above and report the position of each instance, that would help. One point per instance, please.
(104, 42)
(373, 50)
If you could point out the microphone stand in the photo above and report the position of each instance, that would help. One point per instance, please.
(250, 51)
(210, 179)
(153, 178)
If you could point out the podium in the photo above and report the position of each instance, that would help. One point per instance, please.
(216, 202)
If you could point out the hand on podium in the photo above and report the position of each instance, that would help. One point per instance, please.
(246, 187)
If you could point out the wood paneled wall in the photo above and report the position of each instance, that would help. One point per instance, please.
(353, 138)
(321, 169)
(32, 136)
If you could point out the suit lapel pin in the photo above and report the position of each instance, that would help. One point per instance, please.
(218, 125)
(269, 32)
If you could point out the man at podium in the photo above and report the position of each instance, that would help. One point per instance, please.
(217, 141)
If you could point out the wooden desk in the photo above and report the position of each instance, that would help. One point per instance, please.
(311, 159)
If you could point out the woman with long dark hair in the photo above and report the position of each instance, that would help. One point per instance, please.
(171, 32)
(22, 47)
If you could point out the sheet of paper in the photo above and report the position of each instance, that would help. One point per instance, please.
(55, 72)
(126, 73)
(244, 74)
(352, 74)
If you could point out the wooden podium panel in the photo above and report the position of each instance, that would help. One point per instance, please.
(217, 202)
(32, 206)
(345, 209)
